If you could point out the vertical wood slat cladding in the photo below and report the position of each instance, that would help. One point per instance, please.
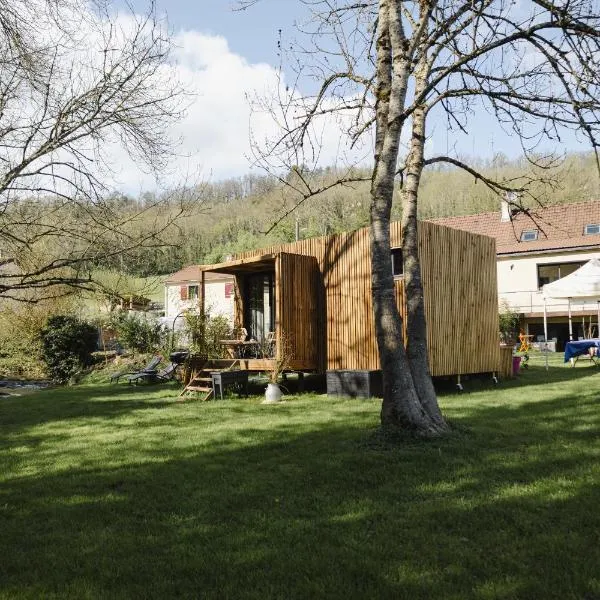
(461, 300)
(459, 287)
(505, 371)
(296, 298)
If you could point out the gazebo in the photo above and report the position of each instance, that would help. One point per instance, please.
(583, 284)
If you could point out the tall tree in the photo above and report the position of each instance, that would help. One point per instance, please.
(80, 85)
(389, 69)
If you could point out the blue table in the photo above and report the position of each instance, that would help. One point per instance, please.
(574, 349)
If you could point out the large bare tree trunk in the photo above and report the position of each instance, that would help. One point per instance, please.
(401, 406)
(416, 326)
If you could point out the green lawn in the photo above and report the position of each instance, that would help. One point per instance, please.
(116, 492)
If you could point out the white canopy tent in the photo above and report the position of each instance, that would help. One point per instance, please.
(583, 284)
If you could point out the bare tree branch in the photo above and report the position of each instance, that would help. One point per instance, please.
(93, 83)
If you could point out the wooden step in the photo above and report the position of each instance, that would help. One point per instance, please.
(197, 388)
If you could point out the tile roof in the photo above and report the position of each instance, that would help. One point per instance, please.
(192, 274)
(560, 226)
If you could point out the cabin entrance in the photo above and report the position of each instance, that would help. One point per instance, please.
(277, 299)
(259, 305)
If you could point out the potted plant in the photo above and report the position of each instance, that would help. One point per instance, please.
(281, 362)
(508, 325)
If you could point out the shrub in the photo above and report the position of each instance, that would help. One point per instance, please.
(139, 333)
(205, 332)
(508, 325)
(20, 341)
(67, 346)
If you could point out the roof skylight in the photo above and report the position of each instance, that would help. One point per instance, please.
(529, 235)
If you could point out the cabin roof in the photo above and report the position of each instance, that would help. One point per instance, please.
(262, 262)
(191, 274)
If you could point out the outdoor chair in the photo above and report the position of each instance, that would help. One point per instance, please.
(153, 376)
(269, 349)
(151, 366)
(241, 334)
(167, 373)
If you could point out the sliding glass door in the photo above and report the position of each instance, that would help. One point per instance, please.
(260, 305)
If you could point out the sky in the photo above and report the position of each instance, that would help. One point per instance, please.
(224, 57)
(251, 33)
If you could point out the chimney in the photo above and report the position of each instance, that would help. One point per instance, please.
(504, 211)
(505, 208)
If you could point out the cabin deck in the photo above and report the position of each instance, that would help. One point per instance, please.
(262, 364)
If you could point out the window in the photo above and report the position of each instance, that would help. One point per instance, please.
(397, 264)
(592, 229)
(192, 292)
(259, 305)
(529, 236)
(550, 273)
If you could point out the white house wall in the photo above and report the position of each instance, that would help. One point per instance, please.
(518, 282)
(216, 302)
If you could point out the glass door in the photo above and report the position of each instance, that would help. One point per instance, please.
(260, 305)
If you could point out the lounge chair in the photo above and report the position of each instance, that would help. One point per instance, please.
(151, 366)
(153, 376)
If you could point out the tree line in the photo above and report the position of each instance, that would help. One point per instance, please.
(245, 213)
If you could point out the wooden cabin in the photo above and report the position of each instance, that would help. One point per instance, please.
(316, 294)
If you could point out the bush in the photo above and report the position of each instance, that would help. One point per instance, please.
(20, 342)
(67, 346)
(508, 325)
(205, 332)
(138, 333)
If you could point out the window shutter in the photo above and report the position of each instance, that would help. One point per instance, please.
(183, 292)
(228, 290)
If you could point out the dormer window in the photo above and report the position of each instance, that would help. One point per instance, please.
(529, 236)
(397, 264)
(592, 229)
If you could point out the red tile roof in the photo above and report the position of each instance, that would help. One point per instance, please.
(192, 274)
(560, 226)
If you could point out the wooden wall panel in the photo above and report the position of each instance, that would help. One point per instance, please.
(461, 300)
(460, 294)
(297, 295)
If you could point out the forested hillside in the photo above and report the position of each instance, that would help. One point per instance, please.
(246, 213)
(239, 212)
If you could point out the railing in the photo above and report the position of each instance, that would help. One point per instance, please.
(533, 302)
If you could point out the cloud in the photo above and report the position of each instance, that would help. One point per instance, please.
(216, 130)
(213, 139)
(213, 136)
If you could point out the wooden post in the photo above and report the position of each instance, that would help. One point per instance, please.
(202, 291)
(203, 303)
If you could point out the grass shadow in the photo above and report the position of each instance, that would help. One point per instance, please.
(93, 401)
(235, 499)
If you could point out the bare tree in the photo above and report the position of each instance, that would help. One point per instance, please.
(389, 69)
(80, 86)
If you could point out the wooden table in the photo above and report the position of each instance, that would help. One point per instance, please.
(238, 348)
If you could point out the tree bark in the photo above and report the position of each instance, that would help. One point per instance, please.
(416, 326)
(401, 406)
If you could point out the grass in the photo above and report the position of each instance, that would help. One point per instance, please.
(117, 492)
